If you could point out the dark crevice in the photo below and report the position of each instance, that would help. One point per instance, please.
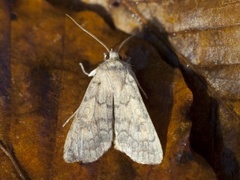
(206, 135)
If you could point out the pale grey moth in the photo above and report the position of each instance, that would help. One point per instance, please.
(112, 111)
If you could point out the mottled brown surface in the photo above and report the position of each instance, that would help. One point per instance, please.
(41, 84)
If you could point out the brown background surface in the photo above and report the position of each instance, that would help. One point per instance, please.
(186, 58)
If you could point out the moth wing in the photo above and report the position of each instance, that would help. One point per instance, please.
(91, 133)
(135, 134)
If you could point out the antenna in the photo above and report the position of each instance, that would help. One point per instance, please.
(124, 42)
(90, 34)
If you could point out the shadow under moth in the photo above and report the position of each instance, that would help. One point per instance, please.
(112, 111)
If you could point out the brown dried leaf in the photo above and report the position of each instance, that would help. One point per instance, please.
(46, 85)
(204, 36)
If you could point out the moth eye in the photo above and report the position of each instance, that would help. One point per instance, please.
(120, 57)
(106, 56)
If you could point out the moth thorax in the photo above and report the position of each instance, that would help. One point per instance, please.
(113, 55)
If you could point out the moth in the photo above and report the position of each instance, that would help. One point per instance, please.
(112, 112)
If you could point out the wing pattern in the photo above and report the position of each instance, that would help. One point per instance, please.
(135, 134)
(90, 134)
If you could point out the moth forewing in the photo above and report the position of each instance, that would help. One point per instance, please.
(135, 134)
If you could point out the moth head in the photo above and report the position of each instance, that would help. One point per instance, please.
(111, 55)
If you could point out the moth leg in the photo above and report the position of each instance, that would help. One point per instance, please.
(140, 87)
(70, 118)
(138, 84)
(128, 60)
(91, 74)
